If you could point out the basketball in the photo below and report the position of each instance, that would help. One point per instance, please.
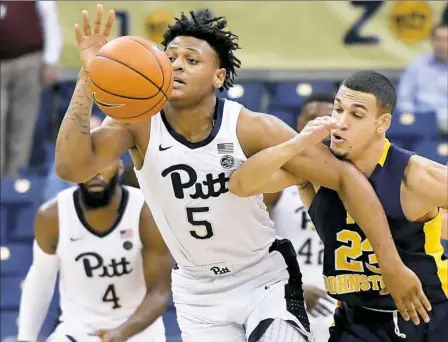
(130, 79)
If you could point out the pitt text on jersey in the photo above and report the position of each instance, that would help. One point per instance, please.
(93, 261)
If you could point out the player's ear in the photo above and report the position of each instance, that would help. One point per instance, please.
(219, 78)
(384, 123)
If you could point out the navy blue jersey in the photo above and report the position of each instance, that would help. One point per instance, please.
(350, 267)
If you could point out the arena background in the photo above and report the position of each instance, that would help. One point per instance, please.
(283, 43)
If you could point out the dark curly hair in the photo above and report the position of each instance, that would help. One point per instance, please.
(210, 29)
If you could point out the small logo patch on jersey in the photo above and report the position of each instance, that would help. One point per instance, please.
(218, 270)
(75, 239)
(126, 234)
(127, 245)
(227, 162)
(104, 104)
(164, 148)
(224, 148)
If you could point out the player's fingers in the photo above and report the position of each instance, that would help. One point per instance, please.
(329, 299)
(98, 18)
(109, 23)
(384, 292)
(324, 309)
(86, 23)
(78, 34)
(412, 312)
(401, 307)
(420, 309)
(424, 300)
(97, 333)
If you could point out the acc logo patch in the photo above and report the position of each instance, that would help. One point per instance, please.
(227, 161)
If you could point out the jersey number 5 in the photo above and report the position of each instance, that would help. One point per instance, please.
(111, 296)
(192, 216)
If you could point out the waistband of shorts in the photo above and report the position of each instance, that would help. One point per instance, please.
(223, 269)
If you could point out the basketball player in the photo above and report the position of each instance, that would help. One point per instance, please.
(234, 280)
(411, 188)
(113, 264)
(293, 223)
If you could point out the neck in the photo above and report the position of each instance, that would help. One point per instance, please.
(368, 159)
(194, 123)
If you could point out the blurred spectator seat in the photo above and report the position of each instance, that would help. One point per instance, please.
(292, 94)
(248, 94)
(15, 259)
(433, 149)
(8, 325)
(408, 128)
(287, 116)
(10, 288)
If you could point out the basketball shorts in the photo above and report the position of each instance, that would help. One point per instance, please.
(356, 324)
(73, 332)
(240, 306)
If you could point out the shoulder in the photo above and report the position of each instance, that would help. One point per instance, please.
(46, 226)
(418, 169)
(420, 60)
(257, 131)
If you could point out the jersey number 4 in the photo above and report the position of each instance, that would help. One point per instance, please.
(110, 296)
(193, 216)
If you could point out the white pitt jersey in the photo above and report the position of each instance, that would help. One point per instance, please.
(101, 275)
(186, 186)
(293, 223)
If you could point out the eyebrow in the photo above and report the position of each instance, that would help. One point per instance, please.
(187, 47)
(357, 105)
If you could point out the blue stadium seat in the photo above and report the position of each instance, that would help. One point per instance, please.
(248, 94)
(8, 324)
(410, 127)
(16, 259)
(433, 149)
(10, 288)
(27, 190)
(287, 116)
(292, 94)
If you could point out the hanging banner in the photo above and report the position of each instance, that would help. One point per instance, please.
(286, 34)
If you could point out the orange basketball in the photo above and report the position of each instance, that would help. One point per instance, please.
(130, 79)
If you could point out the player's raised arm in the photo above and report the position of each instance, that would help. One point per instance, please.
(157, 266)
(39, 284)
(257, 132)
(81, 154)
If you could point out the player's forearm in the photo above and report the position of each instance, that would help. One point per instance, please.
(152, 307)
(362, 203)
(73, 144)
(256, 175)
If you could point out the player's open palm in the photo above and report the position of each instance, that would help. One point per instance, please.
(317, 130)
(406, 290)
(90, 42)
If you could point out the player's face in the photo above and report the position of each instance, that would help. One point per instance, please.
(98, 191)
(196, 69)
(440, 43)
(313, 110)
(359, 120)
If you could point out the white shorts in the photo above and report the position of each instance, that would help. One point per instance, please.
(230, 307)
(68, 332)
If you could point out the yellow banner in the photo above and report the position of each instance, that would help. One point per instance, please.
(286, 34)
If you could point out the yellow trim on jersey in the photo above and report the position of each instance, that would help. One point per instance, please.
(433, 247)
(385, 152)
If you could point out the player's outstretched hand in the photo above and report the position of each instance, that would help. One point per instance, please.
(112, 335)
(406, 290)
(318, 303)
(316, 131)
(90, 42)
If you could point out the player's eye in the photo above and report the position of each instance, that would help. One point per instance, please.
(357, 116)
(192, 60)
(338, 110)
(171, 58)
